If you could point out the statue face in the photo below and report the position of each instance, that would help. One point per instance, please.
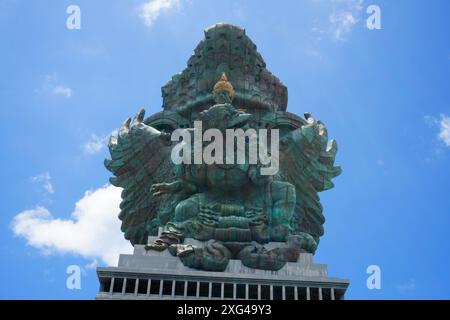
(222, 98)
(223, 116)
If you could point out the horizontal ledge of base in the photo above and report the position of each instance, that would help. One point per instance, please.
(157, 289)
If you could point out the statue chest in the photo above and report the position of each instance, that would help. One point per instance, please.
(227, 177)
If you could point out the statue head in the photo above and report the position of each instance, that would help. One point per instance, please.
(223, 116)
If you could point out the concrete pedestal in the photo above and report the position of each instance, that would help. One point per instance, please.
(159, 275)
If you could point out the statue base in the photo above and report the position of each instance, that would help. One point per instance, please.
(153, 275)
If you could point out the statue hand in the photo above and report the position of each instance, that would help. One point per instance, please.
(160, 188)
(208, 216)
(256, 216)
(135, 128)
(131, 125)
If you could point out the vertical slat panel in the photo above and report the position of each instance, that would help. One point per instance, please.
(112, 286)
(124, 285)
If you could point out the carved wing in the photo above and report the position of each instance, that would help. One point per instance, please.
(140, 157)
(307, 161)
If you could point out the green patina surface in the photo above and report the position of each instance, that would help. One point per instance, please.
(232, 208)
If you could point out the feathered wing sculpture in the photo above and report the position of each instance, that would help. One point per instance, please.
(307, 161)
(140, 157)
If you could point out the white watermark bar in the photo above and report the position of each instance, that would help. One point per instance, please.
(230, 148)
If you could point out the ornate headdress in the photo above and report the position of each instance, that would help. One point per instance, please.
(223, 85)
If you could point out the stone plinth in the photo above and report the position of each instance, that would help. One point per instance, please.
(159, 275)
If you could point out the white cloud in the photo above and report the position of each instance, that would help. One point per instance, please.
(151, 10)
(430, 120)
(93, 231)
(92, 265)
(62, 90)
(444, 133)
(45, 180)
(344, 16)
(444, 127)
(52, 85)
(406, 287)
(342, 23)
(96, 143)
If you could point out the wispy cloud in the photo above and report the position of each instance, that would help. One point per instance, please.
(443, 123)
(96, 143)
(341, 24)
(406, 287)
(92, 232)
(62, 90)
(52, 85)
(151, 10)
(444, 132)
(45, 180)
(344, 16)
(92, 265)
(339, 19)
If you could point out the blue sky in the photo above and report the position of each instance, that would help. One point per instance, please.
(383, 94)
